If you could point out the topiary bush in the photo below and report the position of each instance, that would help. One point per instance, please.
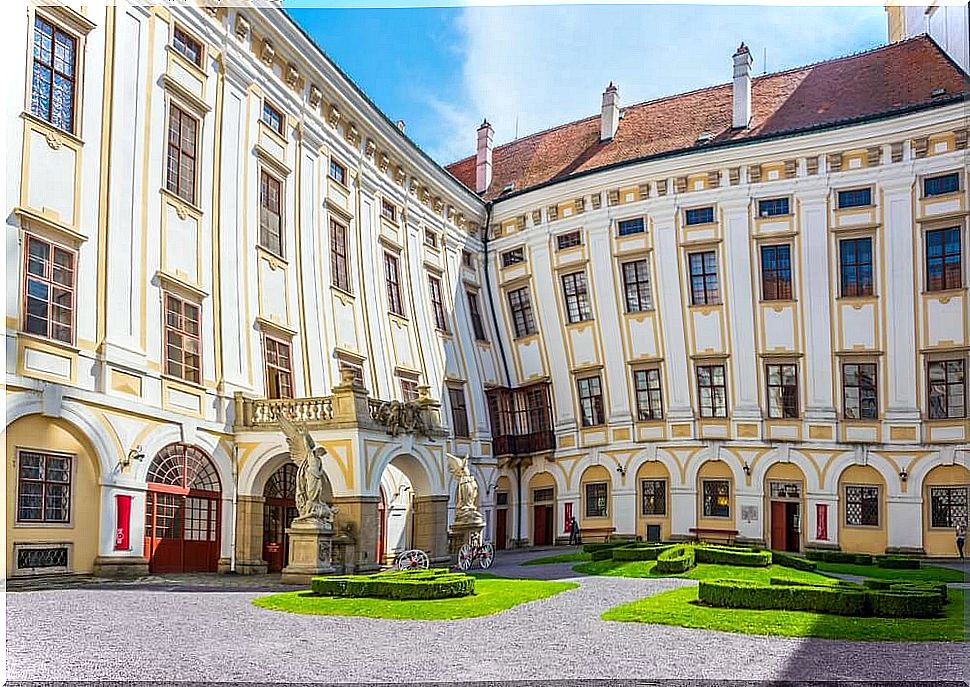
(898, 562)
(732, 556)
(789, 561)
(435, 583)
(675, 560)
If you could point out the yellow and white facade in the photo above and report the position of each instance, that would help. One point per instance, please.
(223, 217)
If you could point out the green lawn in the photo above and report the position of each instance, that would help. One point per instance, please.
(492, 595)
(703, 571)
(680, 607)
(928, 573)
(576, 557)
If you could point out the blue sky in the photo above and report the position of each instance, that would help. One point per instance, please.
(528, 68)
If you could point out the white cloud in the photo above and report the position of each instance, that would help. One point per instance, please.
(534, 67)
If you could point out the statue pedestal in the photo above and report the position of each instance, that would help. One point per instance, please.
(461, 533)
(311, 552)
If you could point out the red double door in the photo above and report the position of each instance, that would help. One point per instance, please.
(784, 526)
(181, 529)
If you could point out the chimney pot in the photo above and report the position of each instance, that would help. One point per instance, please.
(610, 113)
(741, 97)
(483, 158)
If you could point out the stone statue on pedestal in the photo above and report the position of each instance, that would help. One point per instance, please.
(305, 452)
(466, 492)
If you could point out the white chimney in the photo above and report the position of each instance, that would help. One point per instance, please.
(610, 113)
(742, 88)
(483, 158)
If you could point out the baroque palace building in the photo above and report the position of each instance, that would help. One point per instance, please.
(736, 313)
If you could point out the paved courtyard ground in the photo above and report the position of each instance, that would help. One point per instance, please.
(205, 628)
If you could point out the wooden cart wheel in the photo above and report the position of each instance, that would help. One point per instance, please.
(487, 555)
(465, 556)
(413, 559)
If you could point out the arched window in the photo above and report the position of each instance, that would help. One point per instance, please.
(282, 483)
(184, 467)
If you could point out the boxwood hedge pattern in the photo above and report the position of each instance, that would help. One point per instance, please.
(675, 560)
(899, 600)
(796, 562)
(435, 583)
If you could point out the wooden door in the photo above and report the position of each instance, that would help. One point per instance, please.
(778, 526)
(539, 525)
(501, 527)
(163, 531)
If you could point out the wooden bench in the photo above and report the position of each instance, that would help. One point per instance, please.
(713, 533)
(601, 532)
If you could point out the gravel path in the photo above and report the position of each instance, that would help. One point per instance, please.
(154, 633)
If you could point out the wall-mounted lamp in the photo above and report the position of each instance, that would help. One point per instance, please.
(490, 487)
(622, 470)
(903, 475)
(134, 454)
(747, 469)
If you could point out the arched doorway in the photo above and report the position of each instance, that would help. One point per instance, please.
(415, 516)
(785, 494)
(279, 509)
(182, 511)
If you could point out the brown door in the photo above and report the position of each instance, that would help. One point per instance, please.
(791, 527)
(278, 514)
(501, 527)
(779, 526)
(181, 532)
(542, 526)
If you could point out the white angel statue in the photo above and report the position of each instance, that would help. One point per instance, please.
(309, 476)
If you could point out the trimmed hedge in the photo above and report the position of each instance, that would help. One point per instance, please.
(593, 547)
(601, 555)
(675, 560)
(435, 583)
(789, 561)
(906, 585)
(838, 557)
(898, 562)
(638, 553)
(732, 556)
(898, 601)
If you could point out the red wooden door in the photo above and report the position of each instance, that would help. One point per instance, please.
(542, 526)
(778, 526)
(501, 527)
(277, 516)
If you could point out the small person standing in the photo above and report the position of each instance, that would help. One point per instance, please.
(961, 538)
(574, 532)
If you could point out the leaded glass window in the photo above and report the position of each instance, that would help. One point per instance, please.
(53, 78)
(948, 506)
(717, 498)
(653, 497)
(597, 494)
(862, 506)
(44, 487)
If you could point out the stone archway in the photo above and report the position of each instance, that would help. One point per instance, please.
(415, 517)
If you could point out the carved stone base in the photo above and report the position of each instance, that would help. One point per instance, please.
(311, 553)
(461, 533)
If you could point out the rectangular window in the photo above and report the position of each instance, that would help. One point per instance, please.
(855, 198)
(181, 157)
(630, 226)
(597, 495)
(270, 213)
(437, 305)
(941, 184)
(543, 495)
(646, 383)
(717, 498)
(43, 487)
(187, 47)
(520, 310)
(699, 215)
(49, 291)
(773, 207)
(946, 382)
(568, 240)
(459, 412)
(513, 257)
(279, 374)
(944, 259)
(712, 390)
(859, 399)
(53, 79)
(478, 325)
(590, 401)
(776, 273)
(855, 267)
(389, 211)
(182, 339)
(703, 278)
(948, 506)
(409, 390)
(393, 278)
(782, 381)
(339, 266)
(653, 497)
(636, 286)
(338, 172)
(430, 239)
(576, 297)
(272, 118)
(861, 506)
(466, 259)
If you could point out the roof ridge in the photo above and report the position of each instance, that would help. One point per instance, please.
(887, 46)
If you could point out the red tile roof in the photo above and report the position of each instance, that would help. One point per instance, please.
(895, 77)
